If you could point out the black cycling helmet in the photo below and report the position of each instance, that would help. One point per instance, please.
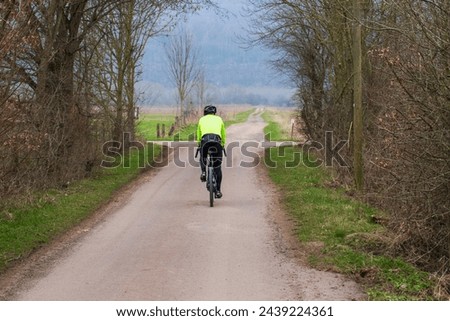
(210, 110)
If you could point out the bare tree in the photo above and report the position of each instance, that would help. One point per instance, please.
(183, 68)
(15, 139)
(358, 125)
(46, 72)
(124, 38)
(313, 39)
(201, 89)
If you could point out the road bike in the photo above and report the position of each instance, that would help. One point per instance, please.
(211, 178)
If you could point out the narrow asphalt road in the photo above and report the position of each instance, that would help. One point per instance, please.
(166, 243)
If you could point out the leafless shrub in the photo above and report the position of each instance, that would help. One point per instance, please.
(408, 166)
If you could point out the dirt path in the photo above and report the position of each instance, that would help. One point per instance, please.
(166, 243)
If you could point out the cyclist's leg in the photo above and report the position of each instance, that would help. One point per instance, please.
(203, 155)
(218, 171)
(218, 166)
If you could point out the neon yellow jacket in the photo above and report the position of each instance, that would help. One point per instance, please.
(211, 124)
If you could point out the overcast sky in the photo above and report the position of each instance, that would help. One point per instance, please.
(227, 64)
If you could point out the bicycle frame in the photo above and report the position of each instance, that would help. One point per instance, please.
(211, 179)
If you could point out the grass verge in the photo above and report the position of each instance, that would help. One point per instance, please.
(25, 226)
(339, 233)
(273, 128)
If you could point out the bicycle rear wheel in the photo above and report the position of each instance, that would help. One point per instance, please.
(211, 186)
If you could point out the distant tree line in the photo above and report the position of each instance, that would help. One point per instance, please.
(158, 95)
(406, 103)
(67, 82)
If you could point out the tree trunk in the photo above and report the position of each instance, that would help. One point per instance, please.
(358, 110)
(55, 84)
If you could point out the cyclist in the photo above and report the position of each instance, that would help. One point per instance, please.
(211, 135)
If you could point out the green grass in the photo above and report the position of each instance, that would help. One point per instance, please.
(188, 132)
(317, 206)
(147, 126)
(239, 118)
(344, 229)
(273, 128)
(28, 225)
